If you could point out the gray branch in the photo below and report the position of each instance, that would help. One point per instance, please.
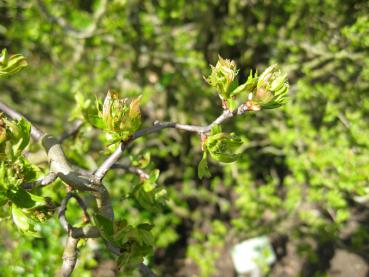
(92, 183)
(69, 257)
(81, 232)
(44, 181)
(158, 126)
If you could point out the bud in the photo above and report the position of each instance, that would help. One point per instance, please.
(271, 90)
(114, 110)
(11, 65)
(120, 115)
(223, 146)
(223, 76)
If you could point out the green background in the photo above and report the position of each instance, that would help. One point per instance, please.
(304, 170)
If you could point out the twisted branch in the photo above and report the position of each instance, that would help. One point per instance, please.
(92, 183)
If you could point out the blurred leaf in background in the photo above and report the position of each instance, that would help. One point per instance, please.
(300, 169)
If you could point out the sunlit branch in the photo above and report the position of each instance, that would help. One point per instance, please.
(158, 126)
(69, 257)
(44, 181)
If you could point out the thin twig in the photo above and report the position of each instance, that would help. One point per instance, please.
(82, 232)
(71, 31)
(112, 159)
(132, 169)
(76, 125)
(115, 156)
(146, 271)
(44, 181)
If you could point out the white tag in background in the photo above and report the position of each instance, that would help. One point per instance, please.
(251, 255)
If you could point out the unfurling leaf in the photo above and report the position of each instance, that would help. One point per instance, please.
(223, 79)
(15, 137)
(271, 90)
(203, 169)
(248, 87)
(221, 146)
(119, 117)
(11, 65)
(105, 226)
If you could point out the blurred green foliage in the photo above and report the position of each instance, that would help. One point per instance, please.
(303, 169)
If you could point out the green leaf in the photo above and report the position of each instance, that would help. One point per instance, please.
(248, 87)
(11, 65)
(154, 175)
(24, 221)
(20, 219)
(202, 169)
(105, 226)
(146, 237)
(222, 147)
(21, 198)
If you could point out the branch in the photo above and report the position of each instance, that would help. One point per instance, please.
(83, 232)
(142, 174)
(68, 29)
(58, 162)
(36, 134)
(48, 179)
(113, 158)
(108, 163)
(69, 257)
(60, 166)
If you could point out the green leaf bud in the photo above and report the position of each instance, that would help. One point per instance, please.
(222, 77)
(120, 116)
(271, 90)
(221, 146)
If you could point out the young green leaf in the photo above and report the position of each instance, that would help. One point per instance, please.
(105, 227)
(202, 169)
(11, 65)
